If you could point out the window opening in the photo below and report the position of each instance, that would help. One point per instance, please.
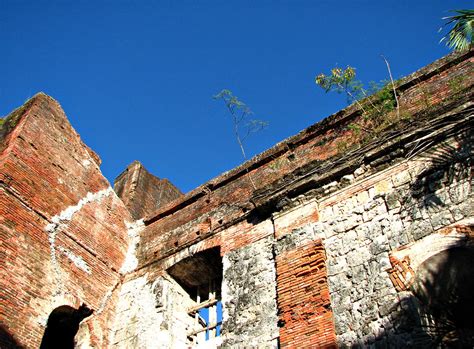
(201, 277)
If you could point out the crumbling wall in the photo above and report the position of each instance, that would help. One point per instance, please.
(63, 232)
(387, 212)
(151, 313)
(154, 308)
(310, 159)
(345, 220)
(249, 296)
(335, 206)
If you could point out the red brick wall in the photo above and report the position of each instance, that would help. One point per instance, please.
(141, 192)
(303, 298)
(44, 169)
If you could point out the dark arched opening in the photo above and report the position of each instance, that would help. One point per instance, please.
(63, 324)
(444, 287)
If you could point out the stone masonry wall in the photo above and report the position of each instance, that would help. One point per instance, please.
(365, 224)
(249, 297)
(152, 313)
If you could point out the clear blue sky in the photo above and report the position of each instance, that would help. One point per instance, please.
(136, 78)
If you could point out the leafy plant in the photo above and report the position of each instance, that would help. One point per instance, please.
(342, 146)
(460, 36)
(383, 97)
(374, 102)
(342, 80)
(355, 128)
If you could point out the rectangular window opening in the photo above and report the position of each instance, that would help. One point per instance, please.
(207, 315)
(201, 277)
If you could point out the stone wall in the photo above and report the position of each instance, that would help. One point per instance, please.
(249, 296)
(152, 313)
(387, 212)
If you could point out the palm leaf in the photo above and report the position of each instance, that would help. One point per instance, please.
(460, 36)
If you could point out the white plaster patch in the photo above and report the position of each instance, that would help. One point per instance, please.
(86, 163)
(131, 261)
(68, 213)
(77, 260)
(47, 305)
(136, 313)
(305, 212)
(58, 222)
(42, 320)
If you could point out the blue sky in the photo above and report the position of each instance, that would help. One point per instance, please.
(136, 78)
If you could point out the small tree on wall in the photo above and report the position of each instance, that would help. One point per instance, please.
(242, 125)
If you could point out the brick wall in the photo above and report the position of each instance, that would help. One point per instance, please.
(62, 228)
(304, 305)
(141, 192)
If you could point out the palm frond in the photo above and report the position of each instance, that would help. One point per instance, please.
(460, 36)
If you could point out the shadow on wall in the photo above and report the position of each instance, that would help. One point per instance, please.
(7, 340)
(63, 324)
(442, 170)
(437, 311)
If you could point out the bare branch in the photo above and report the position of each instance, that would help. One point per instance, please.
(352, 96)
(393, 86)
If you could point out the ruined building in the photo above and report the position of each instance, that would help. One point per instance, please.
(356, 231)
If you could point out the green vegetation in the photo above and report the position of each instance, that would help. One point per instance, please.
(243, 126)
(342, 146)
(456, 84)
(376, 102)
(378, 105)
(460, 36)
(378, 99)
(8, 123)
